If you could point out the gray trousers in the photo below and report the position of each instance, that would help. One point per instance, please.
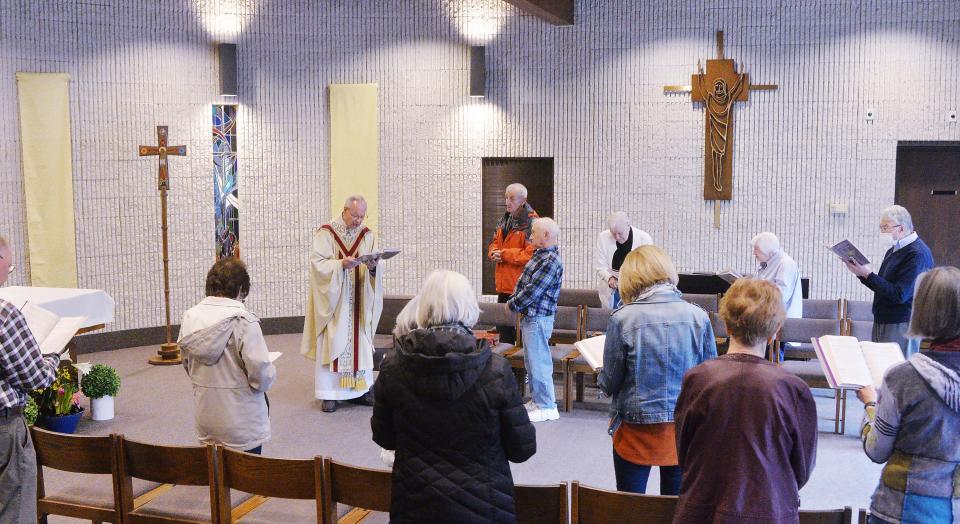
(18, 472)
(896, 333)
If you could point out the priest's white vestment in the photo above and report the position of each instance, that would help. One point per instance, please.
(343, 309)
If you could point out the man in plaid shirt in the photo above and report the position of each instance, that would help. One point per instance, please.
(535, 298)
(22, 369)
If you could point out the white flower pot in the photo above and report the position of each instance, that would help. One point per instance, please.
(101, 408)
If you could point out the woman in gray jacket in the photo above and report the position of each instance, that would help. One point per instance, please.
(226, 358)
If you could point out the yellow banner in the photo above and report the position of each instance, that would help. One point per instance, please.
(354, 147)
(44, 103)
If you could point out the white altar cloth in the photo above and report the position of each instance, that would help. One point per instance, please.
(96, 305)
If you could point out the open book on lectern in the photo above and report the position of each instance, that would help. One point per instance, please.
(851, 364)
(52, 332)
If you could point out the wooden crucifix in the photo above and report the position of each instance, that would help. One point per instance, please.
(169, 352)
(718, 88)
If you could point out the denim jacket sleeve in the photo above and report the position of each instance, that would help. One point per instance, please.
(614, 360)
(709, 343)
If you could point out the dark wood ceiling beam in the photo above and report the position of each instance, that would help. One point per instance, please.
(557, 12)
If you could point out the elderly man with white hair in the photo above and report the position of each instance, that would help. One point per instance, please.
(511, 248)
(535, 299)
(774, 265)
(893, 285)
(613, 245)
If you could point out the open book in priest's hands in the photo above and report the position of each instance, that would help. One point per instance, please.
(381, 255)
(592, 350)
(851, 364)
(52, 332)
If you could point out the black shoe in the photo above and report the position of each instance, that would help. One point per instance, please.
(363, 400)
(328, 406)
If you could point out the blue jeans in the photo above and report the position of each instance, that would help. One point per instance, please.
(615, 300)
(633, 477)
(536, 349)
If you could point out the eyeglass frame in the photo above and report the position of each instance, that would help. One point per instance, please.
(887, 229)
(12, 267)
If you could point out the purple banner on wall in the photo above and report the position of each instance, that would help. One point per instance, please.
(225, 200)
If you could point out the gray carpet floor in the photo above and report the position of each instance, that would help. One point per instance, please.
(155, 405)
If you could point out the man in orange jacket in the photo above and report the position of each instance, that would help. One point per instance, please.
(511, 248)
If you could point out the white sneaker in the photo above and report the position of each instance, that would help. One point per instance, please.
(530, 406)
(539, 414)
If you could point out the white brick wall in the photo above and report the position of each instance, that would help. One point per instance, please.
(590, 96)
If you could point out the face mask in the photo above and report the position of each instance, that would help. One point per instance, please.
(886, 239)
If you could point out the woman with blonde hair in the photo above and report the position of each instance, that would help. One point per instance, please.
(746, 429)
(651, 342)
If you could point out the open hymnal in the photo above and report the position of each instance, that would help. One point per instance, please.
(592, 350)
(382, 255)
(53, 333)
(847, 251)
(849, 363)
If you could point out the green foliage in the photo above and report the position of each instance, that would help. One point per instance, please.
(101, 381)
(61, 397)
(31, 411)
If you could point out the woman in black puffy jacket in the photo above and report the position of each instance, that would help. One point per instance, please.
(452, 411)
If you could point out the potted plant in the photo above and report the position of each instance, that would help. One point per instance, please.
(101, 384)
(59, 404)
(31, 411)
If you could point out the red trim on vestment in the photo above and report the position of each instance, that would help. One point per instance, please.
(356, 290)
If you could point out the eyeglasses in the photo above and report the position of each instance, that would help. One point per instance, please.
(884, 228)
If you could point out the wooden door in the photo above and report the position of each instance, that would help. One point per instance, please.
(498, 173)
(928, 185)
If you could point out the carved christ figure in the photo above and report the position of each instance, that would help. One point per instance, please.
(718, 103)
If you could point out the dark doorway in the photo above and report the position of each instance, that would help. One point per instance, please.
(928, 185)
(498, 173)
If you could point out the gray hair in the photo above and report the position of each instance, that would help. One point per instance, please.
(618, 218)
(407, 318)
(447, 297)
(354, 199)
(548, 224)
(517, 189)
(936, 305)
(898, 214)
(766, 242)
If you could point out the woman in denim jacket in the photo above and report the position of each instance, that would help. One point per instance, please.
(912, 422)
(651, 342)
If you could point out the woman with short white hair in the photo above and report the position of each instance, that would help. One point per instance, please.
(452, 411)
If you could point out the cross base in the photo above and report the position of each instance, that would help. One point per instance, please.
(167, 355)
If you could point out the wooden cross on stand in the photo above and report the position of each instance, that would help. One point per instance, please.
(718, 89)
(169, 353)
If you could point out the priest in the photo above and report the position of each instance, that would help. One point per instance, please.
(343, 307)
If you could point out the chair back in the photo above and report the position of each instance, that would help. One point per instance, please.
(859, 310)
(709, 302)
(719, 328)
(827, 516)
(600, 506)
(861, 329)
(541, 504)
(567, 321)
(74, 453)
(392, 305)
(177, 465)
(803, 329)
(825, 309)
(268, 477)
(579, 297)
(495, 314)
(355, 486)
(595, 320)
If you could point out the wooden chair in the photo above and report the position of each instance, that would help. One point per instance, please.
(709, 302)
(77, 454)
(264, 477)
(174, 466)
(810, 371)
(593, 322)
(600, 506)
(568, 318)
(541, 504)
(363, 488)
(827, 516)
(579, 297)
(858, 315)
(383, 336)
(493, 315)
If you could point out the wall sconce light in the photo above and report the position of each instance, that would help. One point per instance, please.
(227, 58)
(478, 71)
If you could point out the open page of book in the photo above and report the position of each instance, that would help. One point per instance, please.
(382, 255)
(53, 333)
(880, 356)
(40, 321)
(842, 361)
(847, 251)
(273, 355)
(592, 350)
